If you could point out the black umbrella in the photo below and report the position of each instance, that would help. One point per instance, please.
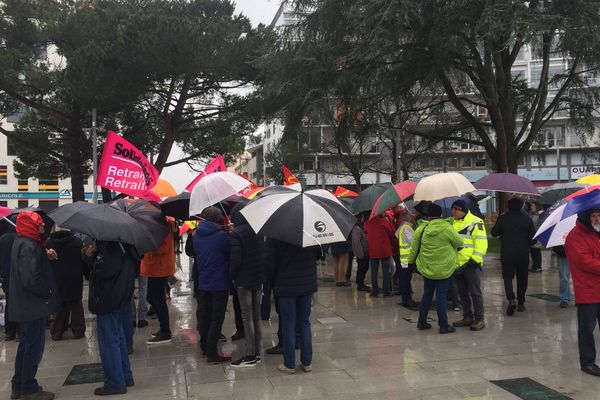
(177, 206)
(103, 222)
(48, 222)
(367, 198)
(558, 191)
(149, 216)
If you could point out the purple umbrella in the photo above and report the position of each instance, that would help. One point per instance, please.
(507, 182)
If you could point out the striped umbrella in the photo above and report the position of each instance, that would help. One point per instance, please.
(301, 218)
(393, 196)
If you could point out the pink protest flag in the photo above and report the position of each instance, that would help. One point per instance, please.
(124, 168)
(216, 165)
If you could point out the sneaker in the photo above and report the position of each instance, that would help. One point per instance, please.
(564, 304)
(161, 338)
(222, 338)
(283, 368)
(218, 359)
(410, 304)
(142, 323)
(155, 334)
(447, 329)
(258, 359)
(510, 310)
(463, 323)
(245, 362)
(306, 368)
(109, 391)
(275, 350)
(591, 369)
(478, 325)
(237, 335)
(424, 326)
(151, 312)
(521, 307)
(39, 395)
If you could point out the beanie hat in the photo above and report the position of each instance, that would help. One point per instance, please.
(515, 204)
(433, 210)
(461, 205)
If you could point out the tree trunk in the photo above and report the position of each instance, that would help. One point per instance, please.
(76, 162)
(357, 177)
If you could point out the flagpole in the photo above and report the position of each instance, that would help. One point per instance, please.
(94, 158)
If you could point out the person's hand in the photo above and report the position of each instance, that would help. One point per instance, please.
(229, 227)
(91, 249)
(51, 254)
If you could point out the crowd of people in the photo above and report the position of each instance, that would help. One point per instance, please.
(45, 277)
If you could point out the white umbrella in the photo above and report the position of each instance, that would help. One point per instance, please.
(439, 186)
(214, 188)
(310, 218)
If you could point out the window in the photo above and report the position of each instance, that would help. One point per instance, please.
(466, 162)
(23, 204)
(48, 205)
(553, 136)
(452, 163)
(538, 160)
(3, 175)
(48, 185)
(17, 111)
(481, 161)
(309, 165)
(10, 147)
(3, 203)
(436, 162)
(521, 162)
(23, 185)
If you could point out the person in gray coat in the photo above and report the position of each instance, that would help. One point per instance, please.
(33, 298)
(360, 248)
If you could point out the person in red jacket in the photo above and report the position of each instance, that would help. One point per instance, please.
(381, 239)
(583, 253)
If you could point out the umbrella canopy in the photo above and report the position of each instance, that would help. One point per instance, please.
(341, 191)
(393, 196)
(439, 186)
(310, 218)
(558, 191)
(367, 198)
(149, 216)
(164, 189)
(177, 206)
(583, 191)
(251, 193)
(103, 222)
(214, 188)
(561, 221)
(507, 182)
(4, 223)
(589, 180)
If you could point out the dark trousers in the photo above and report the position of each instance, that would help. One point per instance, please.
(588, 315)
(536, 258)
(349, 267)
(265, 301)
(211, 314)
(361, 271)
(397, 273)
(113, 348)
(10, 328)
(32, 338)
(405, 284)
(440, 288)
(295, 314)
(69, 311)
(157, 298)
(237, 311)
(469, 289)
(385, 266)
(508, 273)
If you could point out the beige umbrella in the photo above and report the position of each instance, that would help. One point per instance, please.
(439, 186)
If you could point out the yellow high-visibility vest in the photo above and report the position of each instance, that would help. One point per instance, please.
(472, 230)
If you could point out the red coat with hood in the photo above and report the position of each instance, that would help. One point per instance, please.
(380, 237)
(583, 253)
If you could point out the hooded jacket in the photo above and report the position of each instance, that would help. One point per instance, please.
(380, 236)
(160, 263)
(434, 248)
(583, 253)
(70, 267)
(6, 243)
(113, 269)
(246, 266)
(291, 269)
(32, 286)
(516, 232)
(212, 248)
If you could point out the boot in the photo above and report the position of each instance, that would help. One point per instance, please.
(39, 395)
(217, 359)
(510, 310)
(463, 322)
(278, 349)
(478, 325)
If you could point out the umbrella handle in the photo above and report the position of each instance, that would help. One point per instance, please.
(9, 221)
(320, 245)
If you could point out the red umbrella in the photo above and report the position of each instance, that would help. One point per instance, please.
(393, 196)
(582, 191)
(341, 191)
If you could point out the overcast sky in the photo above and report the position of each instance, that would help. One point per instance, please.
(258, 11)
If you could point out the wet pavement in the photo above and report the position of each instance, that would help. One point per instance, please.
(363, 348)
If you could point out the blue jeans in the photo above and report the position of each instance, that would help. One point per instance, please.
(440, 288)
(387, 282)
(294, 309)
(564, 277)
(112, 346)
(127, 320)
(32, 338)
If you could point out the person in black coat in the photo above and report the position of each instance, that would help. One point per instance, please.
(6, 243)
(293, 272)
(516, 232)
(246, 270)
(113, 268)
(69, 270)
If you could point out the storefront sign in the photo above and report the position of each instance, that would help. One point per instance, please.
(580, 172)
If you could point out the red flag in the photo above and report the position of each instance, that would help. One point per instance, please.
(288, 177)
(341, 191)
(124, 168)
(216, 165)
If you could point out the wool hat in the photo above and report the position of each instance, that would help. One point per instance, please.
(515, 204)
(461, 205)
(433, 210)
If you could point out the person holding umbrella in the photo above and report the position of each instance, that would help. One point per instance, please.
(360, 248)
(6, 242)
(434, 251)
(382, 240)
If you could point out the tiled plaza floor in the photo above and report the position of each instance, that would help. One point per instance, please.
(373, 352)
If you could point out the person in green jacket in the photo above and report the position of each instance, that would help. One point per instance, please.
(434, 249)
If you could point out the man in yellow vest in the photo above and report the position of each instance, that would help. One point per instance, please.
(405, 234)
(470, 261)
